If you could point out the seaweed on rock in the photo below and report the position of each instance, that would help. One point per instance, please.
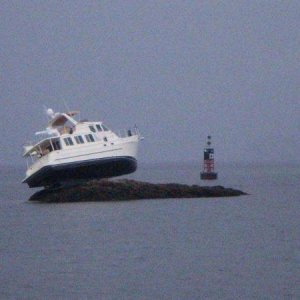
(122, 190)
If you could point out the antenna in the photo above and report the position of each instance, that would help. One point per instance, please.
(45, 109)
(66, 105)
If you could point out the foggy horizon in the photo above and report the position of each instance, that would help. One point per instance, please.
(179, 71)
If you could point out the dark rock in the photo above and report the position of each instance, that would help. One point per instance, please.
(119, 190)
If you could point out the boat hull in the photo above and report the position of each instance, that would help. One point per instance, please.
(51, 175)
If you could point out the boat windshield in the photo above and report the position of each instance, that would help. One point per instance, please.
(44, 147)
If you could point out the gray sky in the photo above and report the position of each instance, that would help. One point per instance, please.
(180, 70)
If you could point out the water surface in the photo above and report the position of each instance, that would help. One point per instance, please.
(219, 248)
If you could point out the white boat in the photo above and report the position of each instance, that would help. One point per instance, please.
(74, 150)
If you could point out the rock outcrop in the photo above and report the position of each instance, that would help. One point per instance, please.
(122, 190)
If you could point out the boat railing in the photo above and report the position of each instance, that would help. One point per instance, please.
(36, 161)
(124, 133)
(32, 142)
(28, 144)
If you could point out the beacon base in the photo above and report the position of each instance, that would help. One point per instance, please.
(208, 175)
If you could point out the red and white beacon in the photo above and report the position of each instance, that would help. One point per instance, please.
(208, 172)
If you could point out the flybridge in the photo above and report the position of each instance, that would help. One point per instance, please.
(71, 149)
(59, 119)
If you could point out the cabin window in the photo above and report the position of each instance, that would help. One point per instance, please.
(49, 149)
(56, 145)
(98, 127)
(79, 139)
(90, 138)
(104, 128)
(92, 128)
(68, 141)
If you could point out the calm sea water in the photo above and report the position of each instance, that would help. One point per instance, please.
(222, 248)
